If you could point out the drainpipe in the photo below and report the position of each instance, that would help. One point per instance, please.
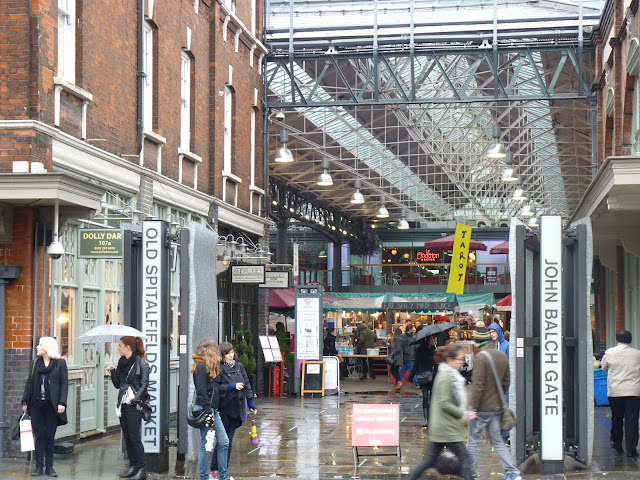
(593, 100)
(36, 268)
(140, 74)
(7, 275)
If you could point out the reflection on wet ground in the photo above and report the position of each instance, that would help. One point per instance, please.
(310, 438)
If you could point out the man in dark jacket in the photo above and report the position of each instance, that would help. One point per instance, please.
(485, 404)
(408, 350)
(367, 340)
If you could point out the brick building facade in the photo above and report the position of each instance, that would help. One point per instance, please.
(105, 109)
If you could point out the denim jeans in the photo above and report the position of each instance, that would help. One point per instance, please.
(406, 366)
(492, 421)
(222, 444)
(230, 426)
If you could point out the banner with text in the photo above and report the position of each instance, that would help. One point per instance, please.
(459, 259)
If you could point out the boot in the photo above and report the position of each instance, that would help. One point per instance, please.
(397, 387)
(50, 472)
(425, 411)
(37, 472)
(129, 473)
(141, 475)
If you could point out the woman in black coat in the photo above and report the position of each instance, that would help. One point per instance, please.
(424, 368)
(235, 396)
(45, 398)
(131, 377)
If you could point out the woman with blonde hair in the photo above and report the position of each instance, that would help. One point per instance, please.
(45, 398)
(131, 377)
(205, 370)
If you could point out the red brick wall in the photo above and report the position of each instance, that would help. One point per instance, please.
(19, 302)
(14, 60)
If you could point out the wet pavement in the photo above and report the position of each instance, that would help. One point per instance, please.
(310, 438)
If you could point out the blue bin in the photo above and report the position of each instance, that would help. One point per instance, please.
(600, 387)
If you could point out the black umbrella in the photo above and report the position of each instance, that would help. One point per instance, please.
(429, 330)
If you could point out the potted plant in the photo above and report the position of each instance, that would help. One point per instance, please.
(244, 350)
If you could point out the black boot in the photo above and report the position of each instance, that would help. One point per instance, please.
(37, 472)
(50, 471)
(426, 416)
(141, 475)
(129, 473)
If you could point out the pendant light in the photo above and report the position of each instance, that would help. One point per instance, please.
(496, 150)
(357, 197)
(325, 180)
(509, 173)
(283, 154)
(403, 224)
(518, 194)
(528, 211)
(533, 222)
(382, 211)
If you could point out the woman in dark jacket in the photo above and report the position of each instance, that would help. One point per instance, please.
(205, 370)
(45, 398)
(424, 369)
(329, 344)
(131, 377)
(235, 396)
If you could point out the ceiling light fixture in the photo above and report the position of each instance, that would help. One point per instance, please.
(509, 173)
(528, 211)
(496, 150)
(382, 211)
(322, 254)
(403, 224)
(283, 154)
(533, 222)
(325, 180)
(518, 194)
(357, 197)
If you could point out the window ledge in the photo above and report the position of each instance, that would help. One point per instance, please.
(74, 90)
(256, 189)
(250, 37)
(189, 155)
(155, 137)
(231, 176)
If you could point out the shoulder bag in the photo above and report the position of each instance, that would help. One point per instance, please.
(196, 418)
(508, 416)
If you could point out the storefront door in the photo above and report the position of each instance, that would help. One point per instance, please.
(91, 387)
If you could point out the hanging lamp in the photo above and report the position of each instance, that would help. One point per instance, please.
(403, 224)
(283, 154)
(357, 197)
(382, 211)
(325, 180)
(509, 173)
(496, 150)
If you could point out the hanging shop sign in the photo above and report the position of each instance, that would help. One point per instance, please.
(275, 280)
(459, 259)
(427, 256)
(247, 274)
(99, 243)
(415, 306)
(551, 409)
(491, 276)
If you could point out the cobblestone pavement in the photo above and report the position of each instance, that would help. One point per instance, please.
(309, 438)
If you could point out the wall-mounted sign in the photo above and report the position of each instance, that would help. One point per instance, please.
(275, 280)
(459, 259)
(247, 274)
(427, 256)
(99, 243)
(491, 276)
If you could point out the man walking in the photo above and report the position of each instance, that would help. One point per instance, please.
(485, 404)
(367, 340)
(623, 387)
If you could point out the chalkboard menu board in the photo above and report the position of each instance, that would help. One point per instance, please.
(312, 377)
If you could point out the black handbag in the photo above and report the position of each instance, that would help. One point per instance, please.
(196, 419)
(146, 411)
(425, 378)
(389, 360)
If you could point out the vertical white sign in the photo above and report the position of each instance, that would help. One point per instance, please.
(296, 265)
(308, 316)
(152, 275)
(552, 421)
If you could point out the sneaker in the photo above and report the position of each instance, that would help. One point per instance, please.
(512, 476)
(213, 476)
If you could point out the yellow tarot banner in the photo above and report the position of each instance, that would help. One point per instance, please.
(459, 259)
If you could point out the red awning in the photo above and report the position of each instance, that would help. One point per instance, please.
(283, 298)
(501, 248)
(505, 302)
(446, 243)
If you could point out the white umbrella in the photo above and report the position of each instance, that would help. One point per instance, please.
(108, 333)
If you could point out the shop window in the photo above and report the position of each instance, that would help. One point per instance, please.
(65, 267)
(65, 322)
(88, 349)
(111, 316)
(67, 40)
(89, 271)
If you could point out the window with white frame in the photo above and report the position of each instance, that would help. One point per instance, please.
(185, 102)
(147, 69)
(67, 40)
(253, 147)
(228, 118)
(253, 17)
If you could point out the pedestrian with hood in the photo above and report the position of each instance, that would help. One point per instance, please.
(131, 378)
(485, 404)
(205, 370)
(403, 355)
(447, 411)
(497, 335)
(367, 340)
(622, 363)
(45, 399)
(235, 396)
(329, 343)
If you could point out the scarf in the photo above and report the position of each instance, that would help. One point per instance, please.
(457, 382)
(197, 358)
(231, 364)
(124, 365)
(40, 369)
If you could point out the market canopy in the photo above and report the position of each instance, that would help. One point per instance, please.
(504, 305)
(284, 298)
(361, 302)
(446, 243)
(475, 301)
(423, 302)
(500, 249)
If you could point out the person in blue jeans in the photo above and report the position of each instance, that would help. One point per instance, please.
(205, 370)
(235, 396)
(409, 351)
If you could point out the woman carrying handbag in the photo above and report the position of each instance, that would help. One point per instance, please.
(45, 398)
(131, 377)
(205, 370)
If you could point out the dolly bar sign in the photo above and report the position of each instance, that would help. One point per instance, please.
(551, 423)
